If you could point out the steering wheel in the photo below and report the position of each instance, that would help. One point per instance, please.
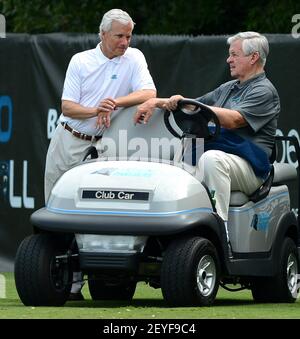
(193, 122)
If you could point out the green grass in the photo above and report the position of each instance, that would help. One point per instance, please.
(147, 304)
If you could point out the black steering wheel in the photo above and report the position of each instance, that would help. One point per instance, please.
(194, 122)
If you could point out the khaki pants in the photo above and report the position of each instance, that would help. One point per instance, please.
(64, 152)
(223, 173)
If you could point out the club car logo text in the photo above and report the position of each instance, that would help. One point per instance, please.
(114, 195)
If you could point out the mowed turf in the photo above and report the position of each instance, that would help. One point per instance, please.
(146, 304)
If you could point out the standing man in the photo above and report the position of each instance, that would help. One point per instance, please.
(98, 82)
(248, 106)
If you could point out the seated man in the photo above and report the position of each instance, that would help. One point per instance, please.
(248, 106)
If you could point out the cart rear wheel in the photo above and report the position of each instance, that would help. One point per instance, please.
(284, 286)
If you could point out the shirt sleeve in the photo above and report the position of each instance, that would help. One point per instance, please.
(258, 107)
(211, 98)
(141, 78)
(72, 84)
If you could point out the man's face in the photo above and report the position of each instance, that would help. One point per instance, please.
(240, 64)
(116, 41)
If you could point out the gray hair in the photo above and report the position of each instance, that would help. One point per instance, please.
(117, 15)
(252, 42)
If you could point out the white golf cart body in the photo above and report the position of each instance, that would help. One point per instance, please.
(127, 207)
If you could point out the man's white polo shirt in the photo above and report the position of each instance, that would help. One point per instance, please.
(91, 77)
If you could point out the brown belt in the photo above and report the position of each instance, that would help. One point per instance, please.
(81, 135)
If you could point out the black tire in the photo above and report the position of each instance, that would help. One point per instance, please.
(111, 290)
(190, 272)
(40, 279)
(283, 287)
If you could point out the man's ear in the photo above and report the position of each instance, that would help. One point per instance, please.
(254, 58)
(101, 35)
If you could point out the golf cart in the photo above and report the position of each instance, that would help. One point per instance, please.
(126, 216)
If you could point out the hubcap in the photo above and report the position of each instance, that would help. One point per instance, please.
(206, 275)
(59, 273)
(292, 274)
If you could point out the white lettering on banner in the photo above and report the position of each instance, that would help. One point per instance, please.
(27, 201)
(16, 201)
(2, 26)
(2, 286)
(287, 148)
(296, 18)
(51, 122)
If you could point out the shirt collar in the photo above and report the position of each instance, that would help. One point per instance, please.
(246, 83)
(103, 59)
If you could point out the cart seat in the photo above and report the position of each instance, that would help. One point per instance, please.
(281, 173)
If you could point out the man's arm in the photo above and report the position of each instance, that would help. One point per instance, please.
(132, 99)
(145, 110)
(74, 110)
(229, 118)
(106, 106)
(135, 98)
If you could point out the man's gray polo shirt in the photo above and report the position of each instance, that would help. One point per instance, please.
(258, 102)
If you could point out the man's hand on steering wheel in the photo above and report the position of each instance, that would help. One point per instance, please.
(172, 102)
(193, 118)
